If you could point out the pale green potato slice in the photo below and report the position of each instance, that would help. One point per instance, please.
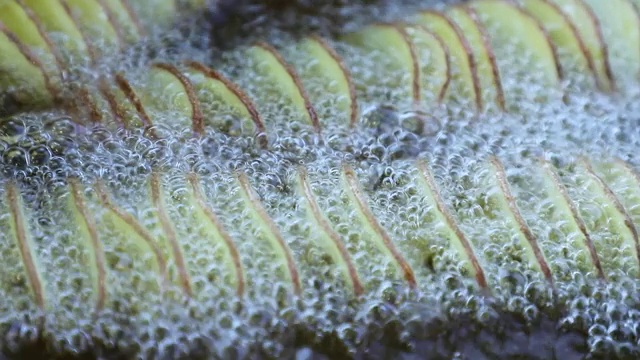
(92, 19)
(24, 77)
(87, 236)
(168, 94)
(490, 85)
(620, 26)
(225, 105)
(434, 60)
(152, 13)
(394, 54)
(124, 22)
(524, 48)
(167, 237)
(133, 254)
(463, 86)
(65, 33)
(270, 231)
(278, 81)
(14, 18)
(329, 239)
(618, 232)
(565, 212)
(378, 235)
(211, 234)
(504, 201)
(589, 30)
(457, 239)
(22, 274)
(575, 59)
(325, 78)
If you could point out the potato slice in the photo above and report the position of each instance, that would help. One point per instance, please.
(523, 49)
(222, 100)
(490, 88)
(434, 60)
(463, 86)
(589, 30)
(19, 250)
(393, 54)
(330, 240)
(326, 80)
(620, 26)
(278, 81)
(65, 33)
(572, 51)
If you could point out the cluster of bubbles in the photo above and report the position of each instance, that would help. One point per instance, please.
(522, 315)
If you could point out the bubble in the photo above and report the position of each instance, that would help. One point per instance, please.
(16, 157)
(12, 127)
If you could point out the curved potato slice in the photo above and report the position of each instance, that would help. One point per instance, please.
(219, 97)
(505, 201)
(270, 231)
(214, 232)
(23, 76)
(326, 80)
(124, 23)
(463, 86)
(589, 30)
(433, 57)
(93, 21)
(330, 240)
(154, 12)
(371, 225)
(22, 22)
(64, 31)
(279, 80)
(170, 246)
(490, 88)
(565, 212)
(455, 235)
(514, 33)
(87, 236)
(18, 241)
(167, 91)
(398, 57)
(620, 25)
(613, 217)
(128, 105)
(128, 236)
(15, 19)
(572, 50)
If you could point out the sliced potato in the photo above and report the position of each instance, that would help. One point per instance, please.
(23, 269)
(124, 23)
(572, 51)
(371, 226)
(524, 51)
(65, 33)
(620, 26)
(220, 100)
(589, 30)
(490, 86)
(434, 60)
(213, 234)
(23, 78)
(505, 202)
(270, 231)
(279, 81)
(393, 54)
(463, 86)
(325, 78)
(92, 19)
(330, 240)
